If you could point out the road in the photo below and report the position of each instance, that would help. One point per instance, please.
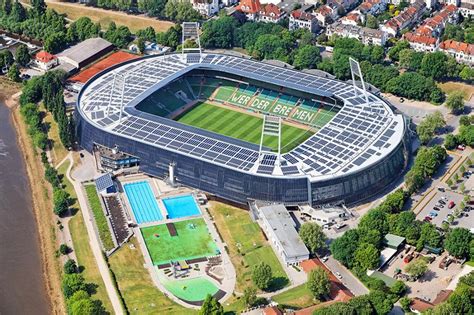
(95, 244)
(348, 279)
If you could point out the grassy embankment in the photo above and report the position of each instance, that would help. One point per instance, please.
(99, 216)
(451, 86)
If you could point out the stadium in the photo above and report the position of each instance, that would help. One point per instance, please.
(243, 130)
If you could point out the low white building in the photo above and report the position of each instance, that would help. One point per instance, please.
(366, 35)
(281, 232)
(301, 19)
(45, 61)
(206, 7)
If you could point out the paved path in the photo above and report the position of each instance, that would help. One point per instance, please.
(95, 243)
(348, 279)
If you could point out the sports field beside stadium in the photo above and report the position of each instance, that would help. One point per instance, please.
(192, 240)
(241, 126)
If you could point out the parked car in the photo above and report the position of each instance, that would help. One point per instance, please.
(433, 214)
(436, 209)
(408, 258)
(324, 259)
(444, 198)
(442, 201)
(461, 147)
(338, 275)
(451, 204)
(427, 218)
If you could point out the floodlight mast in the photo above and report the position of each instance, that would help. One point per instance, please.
(190, 32)
(271, 127)
(355, 72)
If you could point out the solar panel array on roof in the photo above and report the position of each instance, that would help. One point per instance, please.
(357, 132)
(104, 182)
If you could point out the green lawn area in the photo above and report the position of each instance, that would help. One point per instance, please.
(246, 244)
(241, 126)
(192, 241)
(135, 284)
(99, 216)
(80, 239)
(298, 297)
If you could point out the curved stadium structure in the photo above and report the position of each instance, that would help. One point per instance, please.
(353, 155)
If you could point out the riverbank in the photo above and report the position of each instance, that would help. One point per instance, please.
(41, 196)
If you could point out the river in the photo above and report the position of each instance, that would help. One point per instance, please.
(22, 290)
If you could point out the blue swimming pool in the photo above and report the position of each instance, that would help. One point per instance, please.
(143, 202)
(180, 207)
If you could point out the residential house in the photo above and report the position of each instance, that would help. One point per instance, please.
(301, 19)
(466, 8)
(352, 18)
(206, 7)
(45, 61)
(405, 19)
(372, 7)
(347, 5)
(250, 8)
(326, 14)
(423, 43)
(462, 52)
(366, 35)
(270, 13)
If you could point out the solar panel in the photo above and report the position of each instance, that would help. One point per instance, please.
(104, 181)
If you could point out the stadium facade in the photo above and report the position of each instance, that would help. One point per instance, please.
(360, 151)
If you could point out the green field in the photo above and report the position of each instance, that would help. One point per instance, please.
(193, 241)
(241, 126)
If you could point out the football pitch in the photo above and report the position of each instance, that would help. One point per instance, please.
(241, 126)
(192, 240)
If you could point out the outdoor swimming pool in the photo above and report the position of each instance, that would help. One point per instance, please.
(191, 290)
(143, 202)
(181, 206)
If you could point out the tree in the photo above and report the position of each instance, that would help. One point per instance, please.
(398, 288)
(367, 256)
(381, 302)
(211, 306)
(22, 55)
(465, 120)
(361, 305)
(219, 33)
(262, 275)
(344, 247)
(250, 296)
(14, 73)
(462, 301)
(455, 101)
(312, 235)
(405, 302)
(6, 6)
(180, 11)
(307, 57)
(18, 13)
(152, 7)
(428, 126)
(466, 135)
(72, 283)
(60, 201)
(457, 242)
(141, 45)
(55, 42)
(70, 266)
(318, 282)
(417, 267)
(393, 53)
(371, 22)
(375, 219)
(428, 236)
(38, 7)
(64, 249)
(434, 65)
(450, 142)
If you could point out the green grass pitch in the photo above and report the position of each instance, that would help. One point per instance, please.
(190, 242)
(241, 126)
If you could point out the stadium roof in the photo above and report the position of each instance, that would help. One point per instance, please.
(358, 136)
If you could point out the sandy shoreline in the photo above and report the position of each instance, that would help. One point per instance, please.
(42, 206)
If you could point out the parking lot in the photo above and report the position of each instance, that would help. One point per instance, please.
(442, 214)
(431, 283)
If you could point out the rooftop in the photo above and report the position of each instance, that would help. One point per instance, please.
(84, 50)
(44, 56)
(281, 222)
(393, 240)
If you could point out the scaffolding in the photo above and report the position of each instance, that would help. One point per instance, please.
(191, 33)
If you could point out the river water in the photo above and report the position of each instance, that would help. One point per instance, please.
(22, 290)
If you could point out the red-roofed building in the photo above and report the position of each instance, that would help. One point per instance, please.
(406, 18)
(419, 306)
(272, 310)
(434, 26)
(301, 19)
(270, 13)
(373, 7)
(352, 18)
(45, 61)
(250, 8)
(424, 43)
(462, 52)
